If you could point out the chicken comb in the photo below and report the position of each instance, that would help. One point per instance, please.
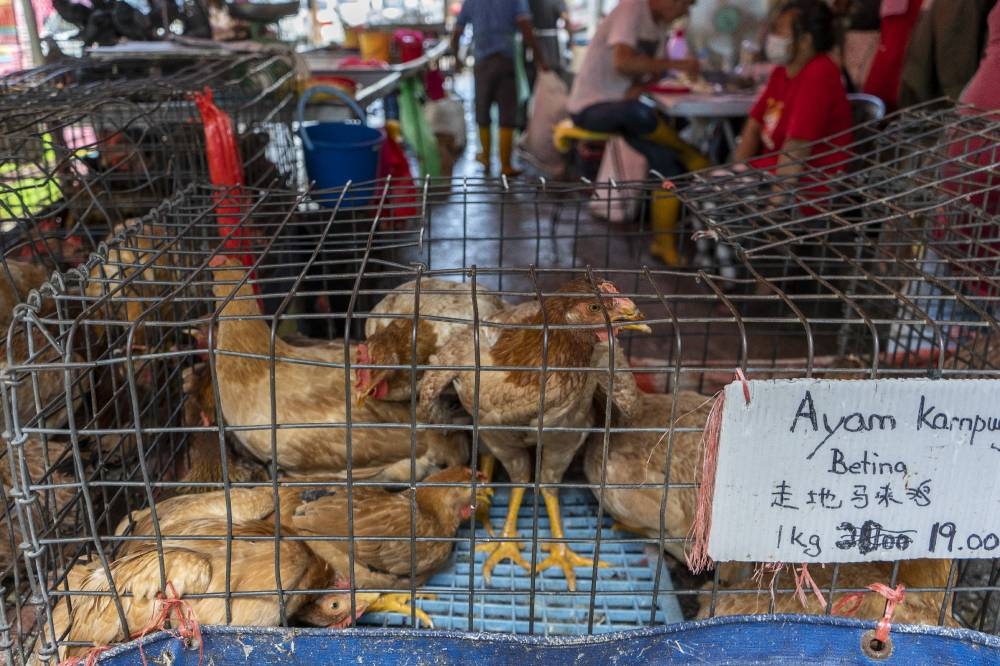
(607, 287)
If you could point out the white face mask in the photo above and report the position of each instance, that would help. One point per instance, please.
(777, 49)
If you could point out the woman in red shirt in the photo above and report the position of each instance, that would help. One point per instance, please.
(804, 100)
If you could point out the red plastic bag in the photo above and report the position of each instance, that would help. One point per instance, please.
(226, 171)
(403, 197)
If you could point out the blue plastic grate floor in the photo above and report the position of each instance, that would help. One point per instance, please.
(624, 597)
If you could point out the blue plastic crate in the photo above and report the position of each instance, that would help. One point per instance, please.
(624, 590)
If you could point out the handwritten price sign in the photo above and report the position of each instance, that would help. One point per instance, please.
(853, 471)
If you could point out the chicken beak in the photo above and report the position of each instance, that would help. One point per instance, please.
(631, 313)
(361, 397)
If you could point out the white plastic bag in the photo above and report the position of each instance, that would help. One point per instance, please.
(621, 163)
(548, 109)
(447, 117)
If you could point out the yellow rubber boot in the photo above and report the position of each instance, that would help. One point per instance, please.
(486, 144)
(507, 152)
(665, 135)
(665, 210)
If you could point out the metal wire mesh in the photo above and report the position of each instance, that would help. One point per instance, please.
(89, 144)
(112, 357)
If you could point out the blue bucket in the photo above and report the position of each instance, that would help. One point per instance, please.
(340, 153)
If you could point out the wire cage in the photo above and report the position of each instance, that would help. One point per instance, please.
(88, 144)
(124, 134)
(174, 361)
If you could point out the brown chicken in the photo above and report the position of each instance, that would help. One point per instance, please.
(44, 469)
(916, 608)
(132, 280)
(311, 394)
(51, 408)
(245, 505)
(512, 397)
(199, 567)
(640, 457)
(378, 513)
(203, 462)
(388, 341)
(17, 279)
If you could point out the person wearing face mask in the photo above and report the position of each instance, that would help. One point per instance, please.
(804, 99)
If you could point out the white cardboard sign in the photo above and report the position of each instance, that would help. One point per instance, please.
(854, 471)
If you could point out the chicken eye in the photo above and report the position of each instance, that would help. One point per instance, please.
(595, 307)
(335, 605)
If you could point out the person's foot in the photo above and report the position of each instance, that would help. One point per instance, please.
(484, 159)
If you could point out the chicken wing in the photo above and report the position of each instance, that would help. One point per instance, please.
(445, 308)
(309, 392)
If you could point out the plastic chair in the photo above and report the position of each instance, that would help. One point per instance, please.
(566, 133)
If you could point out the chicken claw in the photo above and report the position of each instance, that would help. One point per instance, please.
(504, 550)
(484, 496)
(500, 551)
(401, 603)
(559, 553)
(484, 499)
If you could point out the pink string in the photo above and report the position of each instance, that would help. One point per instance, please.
(746, 386)
(89, 659)
(802, 579)
(698, 559)
(848, 604)
(892, 599)
(187, 627)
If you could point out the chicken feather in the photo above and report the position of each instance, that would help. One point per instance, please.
(191, 567)
(388, 340)
(311, 394)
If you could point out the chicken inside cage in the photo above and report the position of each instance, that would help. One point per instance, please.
(490, 427)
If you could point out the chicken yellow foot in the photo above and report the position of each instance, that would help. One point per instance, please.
(506, 549)
(484, 496)
(560, 554)
(402, 603)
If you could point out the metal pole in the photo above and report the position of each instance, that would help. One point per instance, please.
(36, 45)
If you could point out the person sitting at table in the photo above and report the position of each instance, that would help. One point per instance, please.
(804, 99)
(621, 59)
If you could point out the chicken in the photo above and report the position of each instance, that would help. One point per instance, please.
(131, 281)
(17, 279)
(173, 515)
(242, 506)
(917, 607)
(513, 397)
(43, 464)
(378, 513)
(311, 394)
(198, 567)
(388, 341)
(640, 457)
(203, 463)
(51, 407)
